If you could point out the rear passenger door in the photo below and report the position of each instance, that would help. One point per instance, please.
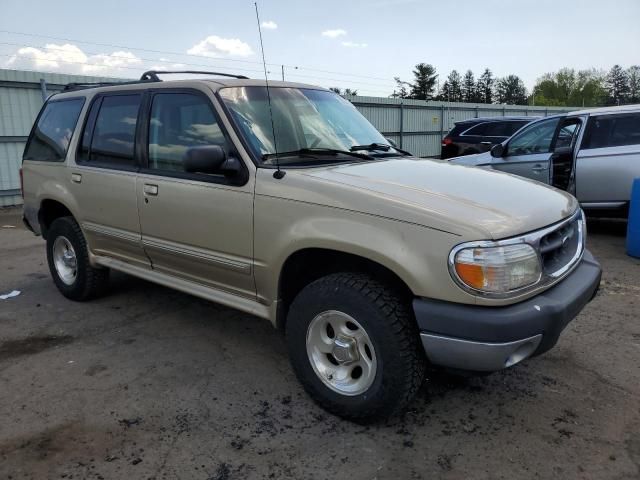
(103, 179)
(608, 159)
(195, 226)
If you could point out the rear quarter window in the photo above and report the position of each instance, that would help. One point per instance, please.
(612, 131)
(50, 137)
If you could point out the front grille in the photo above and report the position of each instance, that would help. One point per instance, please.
(562, 247)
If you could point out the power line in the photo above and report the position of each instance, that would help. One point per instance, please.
(137, 68)
(165, 61)
(165, 52)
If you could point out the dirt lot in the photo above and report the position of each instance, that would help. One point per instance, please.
(150, 383)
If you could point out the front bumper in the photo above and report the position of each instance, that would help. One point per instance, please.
(477, 338)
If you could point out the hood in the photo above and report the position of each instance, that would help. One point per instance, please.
(474, 160)
(466, 201)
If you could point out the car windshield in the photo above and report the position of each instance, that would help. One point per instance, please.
(310, 125)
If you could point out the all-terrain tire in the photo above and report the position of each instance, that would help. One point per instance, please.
(387, 320)
(85, 282)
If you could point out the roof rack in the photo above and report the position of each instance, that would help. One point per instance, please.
(152, 75)
(82, 85)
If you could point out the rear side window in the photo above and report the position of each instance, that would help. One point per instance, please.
(110, 132)
(459, 128)
(612, 131)
(478, 130)
(50, 138)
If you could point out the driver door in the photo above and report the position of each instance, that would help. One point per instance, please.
(528, 153)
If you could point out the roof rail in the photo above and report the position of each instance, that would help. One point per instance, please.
(83, 85)
(152, 75)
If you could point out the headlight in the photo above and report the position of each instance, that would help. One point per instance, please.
(498, 269)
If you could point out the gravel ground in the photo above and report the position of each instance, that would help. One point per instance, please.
(150, 383)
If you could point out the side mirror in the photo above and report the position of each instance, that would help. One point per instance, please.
(204, 159)
(391, 142)
(497, 151)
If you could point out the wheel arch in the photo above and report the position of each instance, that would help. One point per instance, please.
(51, 209)
(311, 263)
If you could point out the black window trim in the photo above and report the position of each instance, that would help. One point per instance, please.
(97, 99)
(32, 132)
(143, 144)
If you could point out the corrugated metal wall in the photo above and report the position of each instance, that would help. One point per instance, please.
(21, 96)
(418, 126)
(415, 125)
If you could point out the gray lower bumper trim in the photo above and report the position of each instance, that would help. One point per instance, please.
(477, 356)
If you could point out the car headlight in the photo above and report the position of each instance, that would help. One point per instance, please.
(497, 269)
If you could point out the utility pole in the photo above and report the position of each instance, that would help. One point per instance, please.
(282, 70)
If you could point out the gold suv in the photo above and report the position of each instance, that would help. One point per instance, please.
(284, 202)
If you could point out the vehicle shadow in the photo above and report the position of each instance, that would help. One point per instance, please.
(607, 226)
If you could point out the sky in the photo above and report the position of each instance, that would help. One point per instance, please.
(360, 45)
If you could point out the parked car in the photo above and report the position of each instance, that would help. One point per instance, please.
(477, 135)
(593, 154)
(372, 261)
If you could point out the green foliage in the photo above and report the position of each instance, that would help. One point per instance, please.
(588, 88)
(469, 88)
(346, 91)
(424, 85)
(511, 90)
(485, 86)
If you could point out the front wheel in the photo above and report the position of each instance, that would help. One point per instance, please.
(355, 347)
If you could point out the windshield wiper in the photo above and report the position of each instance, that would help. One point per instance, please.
(371, 147)
(318, 151)
(380, 147)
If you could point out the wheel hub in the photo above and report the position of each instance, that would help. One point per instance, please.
(64, 260)
(345, 349)
(341, 353)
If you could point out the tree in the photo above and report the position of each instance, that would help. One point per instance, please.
(511, 90)
(469, 89)
(346, 91)
(454, 87)
(424, 83)
(402, 88)
(633, 75)
(617, 85)
(485, 86)
(567, 88)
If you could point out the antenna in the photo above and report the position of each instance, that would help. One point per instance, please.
(278, 174)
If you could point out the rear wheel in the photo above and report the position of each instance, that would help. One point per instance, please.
(68, 259)
(355, 347)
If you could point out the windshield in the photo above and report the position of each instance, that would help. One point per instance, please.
(305, 120)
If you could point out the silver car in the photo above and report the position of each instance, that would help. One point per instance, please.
(593, 154)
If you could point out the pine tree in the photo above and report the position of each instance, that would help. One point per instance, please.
(469, 90)
(425, 82)
(511, 90)
(617, 85)
(485, 86)
(455, 87)
(402, 89)
(633, 75)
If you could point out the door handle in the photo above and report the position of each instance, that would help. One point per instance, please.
(150, 189)
(538, 168)
(486, 143)
(76, 178)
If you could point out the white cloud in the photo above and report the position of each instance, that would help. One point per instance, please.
(214, 46)
(338, 32)
(71, 59)
(354, 45)
(269, 25)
